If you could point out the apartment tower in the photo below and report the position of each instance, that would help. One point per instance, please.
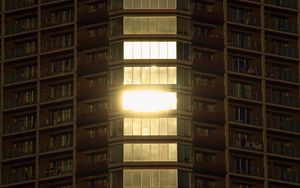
(149, 94)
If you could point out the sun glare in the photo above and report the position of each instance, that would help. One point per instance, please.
(149, 101)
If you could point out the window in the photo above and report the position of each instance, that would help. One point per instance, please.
(149, 4)
(149, 101)
(150, 50)
(150, 25)
(150, 152)
(116, 27)
(150, 178)
(149, 75)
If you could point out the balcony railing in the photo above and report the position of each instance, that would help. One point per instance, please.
(281, 26)
(17, 76)
(13, 102)
(56, 171)
(56, 94)
(286, 125)
(19, 175)
(251, 171)
(282, 50)
(58, 18)
(284, 3)
(251, 120)
(28, 24)
(60, 67)
(56, 145)
(56, 120)
(22, 50)
(246, 144)
(251, 69)
(19, 152)
(15, 4)
(18, 127)
(236, 91)
(57, 43)
(245, 44)
(283, 100)
(284, 175)
(282, 75)
(280, 149)
(248, 20)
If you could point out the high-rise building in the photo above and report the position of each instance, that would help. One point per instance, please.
(149, 94)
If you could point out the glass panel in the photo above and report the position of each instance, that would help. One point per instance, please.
(154, 49)
(127, 152)
(127, 75)
(137, 176)
(145, 178)
(163, 122)
(172, 50)
(136, 50)
(145, 50)
(173, 152)
(146, 154)
(155, 126)
(154, 152)
(137, 75)
(128, 50)
(146, 75)
(136, 127)
(172, 125)
(163, 75)
(163, 152)
(145, 126)
(163, 50)
(128, 126)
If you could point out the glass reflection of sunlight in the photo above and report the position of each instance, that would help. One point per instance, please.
(149, 101)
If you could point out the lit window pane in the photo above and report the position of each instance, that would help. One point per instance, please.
(163, 50)
(163, 126)
(145, 152)
(127, 4)
(172, 4)
(145, 178)
(164, 178)
(127, 75)
(127, 152)
(172, 75)
(127, 50)
(154, 75)
(137, 71)
(136, 152)
(154, 178)
(146, 75)
(145, 126)
(172, 152)
(136, 127)
(128, 126)
(163, 152)
(155, 126)
(163, 75)
(145, 4)
(145, 50)
(137, 176)
(154, 50)
(137, 50)
(172, 178)
(172, 125)
(172, 50)
(154, 152)
(154, 4)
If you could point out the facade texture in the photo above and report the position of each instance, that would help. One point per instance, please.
(149, 94)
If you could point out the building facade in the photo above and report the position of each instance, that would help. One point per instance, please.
(149, 94)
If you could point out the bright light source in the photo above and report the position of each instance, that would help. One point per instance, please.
(149, 101)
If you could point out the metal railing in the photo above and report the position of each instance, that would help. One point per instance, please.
(287, 125)
(281, 149)
(284, 175)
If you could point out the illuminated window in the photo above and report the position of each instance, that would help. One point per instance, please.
(150, 152)
(150, 50)
(149, 101)
(150, 75)
(150, 25)
(149, 4)
(150, 126)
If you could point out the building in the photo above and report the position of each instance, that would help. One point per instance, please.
(150, 93)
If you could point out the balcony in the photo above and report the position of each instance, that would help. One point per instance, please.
(215, 89)
(281, 149)
(57, 92)
(20, 126)
(284, 175)
(58, 42)
(87, 17)
(249, 170)
(208, 62)
(282, 74)
(20, 100)
(91, 142)
(276, 98)
(274, 24)
(285, 125)
(55, 171)
(251, 144)
(249, 120)
(216, 116)
(21, 50)
(22, 25)
(15, 4)
(247, 19)
(246, 67)
(88, 169)
(17, 175)
(58, 67)
(58, 18)
(56, 117)
(210, 167)
(292, 4)
(210, 14)
(25, 150)
(86, 115)
(57, 143)
(235, 42)
(18, 75)
(240, 92)
(96, 90)
(213, 39)
(282, 50)
(92, 38)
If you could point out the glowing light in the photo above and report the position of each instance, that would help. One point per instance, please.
(149, 101)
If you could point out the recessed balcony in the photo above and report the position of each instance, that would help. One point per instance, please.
(285, 125)
(286, 150)
(284, 175)
(89, 169)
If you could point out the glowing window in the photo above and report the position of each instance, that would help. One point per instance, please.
(149, 101)
(150, 50)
